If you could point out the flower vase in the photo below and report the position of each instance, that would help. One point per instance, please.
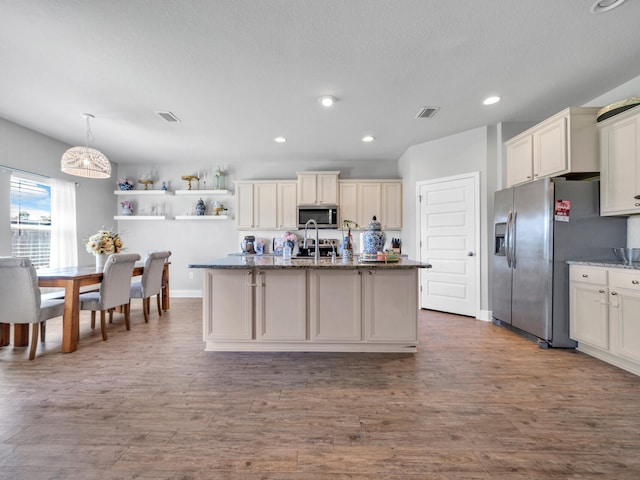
(290, 243)
(101, 259)
(126, 211)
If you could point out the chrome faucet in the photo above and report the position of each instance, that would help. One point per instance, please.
(316, 254)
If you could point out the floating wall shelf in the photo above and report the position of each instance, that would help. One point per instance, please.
(203, 192)
(140, 217)
(202, 217)
(142, 192)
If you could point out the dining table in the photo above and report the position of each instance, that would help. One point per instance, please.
(72, 279)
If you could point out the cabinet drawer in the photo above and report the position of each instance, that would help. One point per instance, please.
(585, 274)
(629, 279)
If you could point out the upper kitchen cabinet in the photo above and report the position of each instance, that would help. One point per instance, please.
(318, 188)
(362, 199)
(266, 205)
(620, 164)
(565, 143)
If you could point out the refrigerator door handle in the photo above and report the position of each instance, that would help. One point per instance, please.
(512, 237)
(507, 239)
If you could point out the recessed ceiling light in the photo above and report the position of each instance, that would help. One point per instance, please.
(601, 6)
(279, 139)
(368, 138)
(491, 100)
(327, 100)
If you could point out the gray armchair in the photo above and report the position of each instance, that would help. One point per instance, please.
(21, 300)
(151, 282)
(114, 290)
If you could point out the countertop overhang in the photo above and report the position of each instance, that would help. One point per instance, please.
(605, 263)
(277, 262)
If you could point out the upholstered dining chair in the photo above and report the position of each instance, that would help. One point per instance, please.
(21, 299)
(150, 283)
(113, 292)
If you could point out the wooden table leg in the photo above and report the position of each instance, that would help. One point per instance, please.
(21, 334)
(71, 317)
(165, 287)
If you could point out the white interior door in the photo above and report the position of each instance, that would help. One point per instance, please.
(449, 220)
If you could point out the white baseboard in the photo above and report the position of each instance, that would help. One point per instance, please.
(485, 315)
(186, 293)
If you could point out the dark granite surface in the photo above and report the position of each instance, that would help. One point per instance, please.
(273, 262)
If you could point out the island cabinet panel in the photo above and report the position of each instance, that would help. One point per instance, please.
(334, 306)
(388, 305)
(281, 305)
(228, 304)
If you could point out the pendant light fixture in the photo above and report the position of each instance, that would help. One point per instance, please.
(85, 161)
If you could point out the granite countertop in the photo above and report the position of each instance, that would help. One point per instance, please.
(605, 263)
(277, 262)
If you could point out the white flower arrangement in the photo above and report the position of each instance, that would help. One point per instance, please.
(289, 237)
(105, 241)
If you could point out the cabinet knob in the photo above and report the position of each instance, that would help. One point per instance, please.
(636, 204)
(584, 275)
(614, 293)
(528, 176)
(600, 291)
(535, 175)
(635, 282)
(637, 197)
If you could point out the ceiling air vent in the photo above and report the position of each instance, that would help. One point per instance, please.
(168, 116)
(427, 112)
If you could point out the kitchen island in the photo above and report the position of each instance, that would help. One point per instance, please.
(267, 303)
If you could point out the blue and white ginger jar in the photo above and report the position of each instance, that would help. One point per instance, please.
(201, 208)
(373, 238)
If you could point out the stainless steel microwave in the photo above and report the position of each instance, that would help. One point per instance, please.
(326, 216)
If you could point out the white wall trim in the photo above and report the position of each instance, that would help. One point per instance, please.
(186, 293)
(485, 315)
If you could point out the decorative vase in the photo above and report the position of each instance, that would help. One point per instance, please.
(125, 186)
(374, 238)
(290, 243)
(101, 259)
(201, 208)
(126, 211)
(347, 248)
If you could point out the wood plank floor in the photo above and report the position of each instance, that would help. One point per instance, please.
(476, 402)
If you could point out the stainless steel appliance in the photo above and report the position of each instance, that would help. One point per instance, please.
(538, 226)
(326, 216)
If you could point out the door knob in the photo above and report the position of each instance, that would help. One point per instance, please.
(470, 254)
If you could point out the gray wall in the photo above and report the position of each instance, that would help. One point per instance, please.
(25, 149)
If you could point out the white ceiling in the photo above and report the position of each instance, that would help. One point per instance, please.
(240, 72)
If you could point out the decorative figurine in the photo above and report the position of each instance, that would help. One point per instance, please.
(201, 208)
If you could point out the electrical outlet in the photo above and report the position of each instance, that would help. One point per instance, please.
(190, 275)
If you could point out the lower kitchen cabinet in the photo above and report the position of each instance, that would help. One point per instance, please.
(334, 307)
(228, 304)
(388, 305)
(281, 305)
(604, 306)
(311, 309)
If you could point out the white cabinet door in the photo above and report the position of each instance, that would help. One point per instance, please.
(369, 202)
(228, 304)
(334, 306)
(624, 299)
(327, 189)
(620, 166)
(390, 305)
(589, 314)
(287, 205)
(316, 188)
(550, 149)
(348, 202)
(520, 161)
(307, 192)
(244, 205)
(391, 213)
(281, 305)
(264, 205)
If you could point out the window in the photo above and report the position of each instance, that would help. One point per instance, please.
(31, 220)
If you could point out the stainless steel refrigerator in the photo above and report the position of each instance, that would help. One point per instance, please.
(538, 226)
